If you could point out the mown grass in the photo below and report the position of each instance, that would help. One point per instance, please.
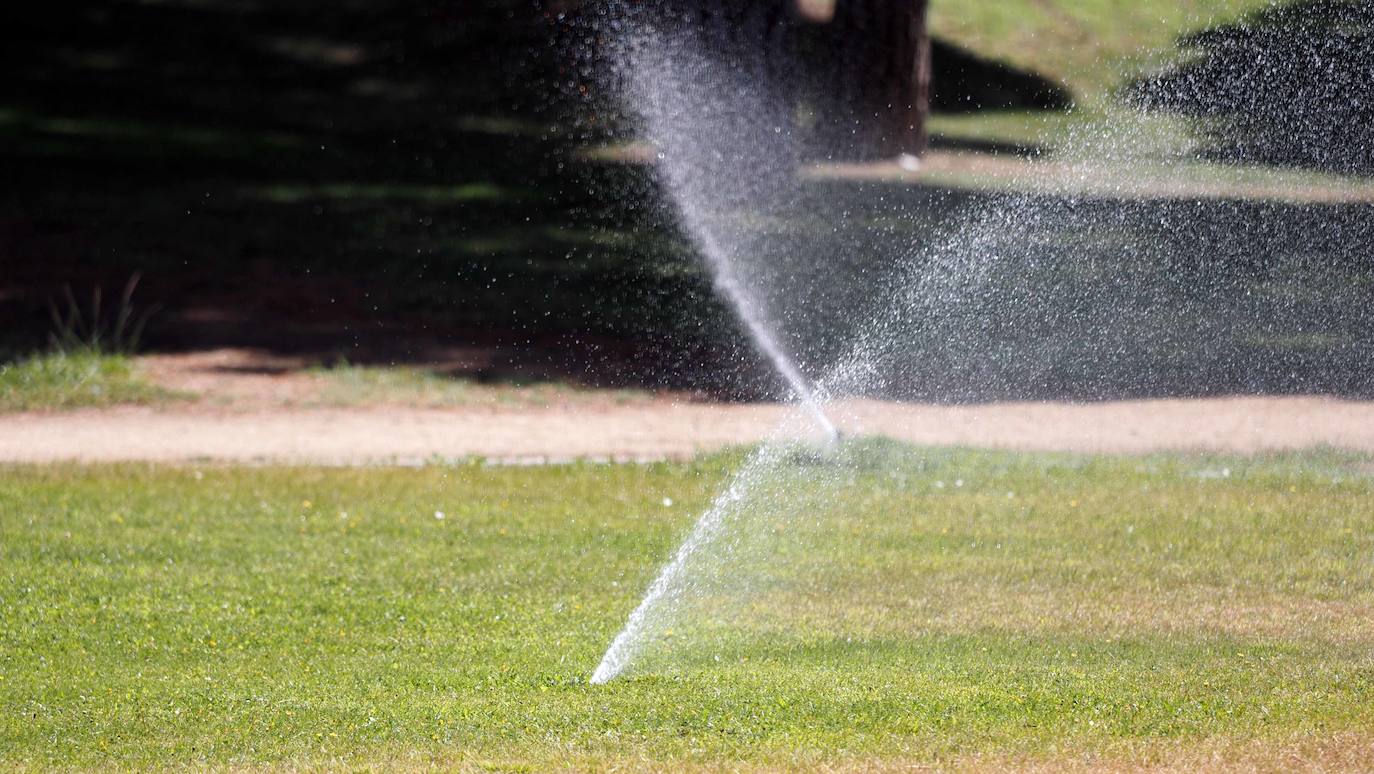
(1093, 48)
(1090, 45)
(69, 380)
(935, 606)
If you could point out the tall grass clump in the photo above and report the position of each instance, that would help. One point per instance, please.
(88, 361)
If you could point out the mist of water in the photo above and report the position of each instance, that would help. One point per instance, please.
(721, 159)
(1108, 270)
(678, 578)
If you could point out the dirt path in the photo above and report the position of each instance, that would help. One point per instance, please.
(1142, 180)
(659, 429)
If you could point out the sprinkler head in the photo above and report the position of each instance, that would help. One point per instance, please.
(835, 441)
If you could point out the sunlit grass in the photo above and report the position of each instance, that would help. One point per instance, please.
(1091, 45)
(68, 380)
(932, 606)
(1027, 129)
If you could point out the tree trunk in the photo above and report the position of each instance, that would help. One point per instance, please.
(868, 67)
(879, 65)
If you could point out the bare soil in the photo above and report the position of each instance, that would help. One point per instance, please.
(250, 410)
(964, 169)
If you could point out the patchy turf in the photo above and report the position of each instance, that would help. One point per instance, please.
(68, 380)
(1091, 45)
(937, 606)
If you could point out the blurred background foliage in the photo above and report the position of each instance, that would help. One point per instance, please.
(378, 181)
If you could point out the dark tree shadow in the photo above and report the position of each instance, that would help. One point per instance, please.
(1292, 84)
(385, 181)
(964, 82)
(371, 179)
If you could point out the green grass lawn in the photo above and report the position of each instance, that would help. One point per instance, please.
(921, 605)
(69, 380)
(1090, 45)
(1094, 47)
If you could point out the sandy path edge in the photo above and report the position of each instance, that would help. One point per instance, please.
(640, 432)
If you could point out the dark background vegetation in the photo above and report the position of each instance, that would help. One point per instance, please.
(380, 181)
(369, 180)
(369, 177)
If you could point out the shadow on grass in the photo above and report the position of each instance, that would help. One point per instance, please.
(384, 182)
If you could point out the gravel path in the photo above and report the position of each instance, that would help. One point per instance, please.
(658, 429)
